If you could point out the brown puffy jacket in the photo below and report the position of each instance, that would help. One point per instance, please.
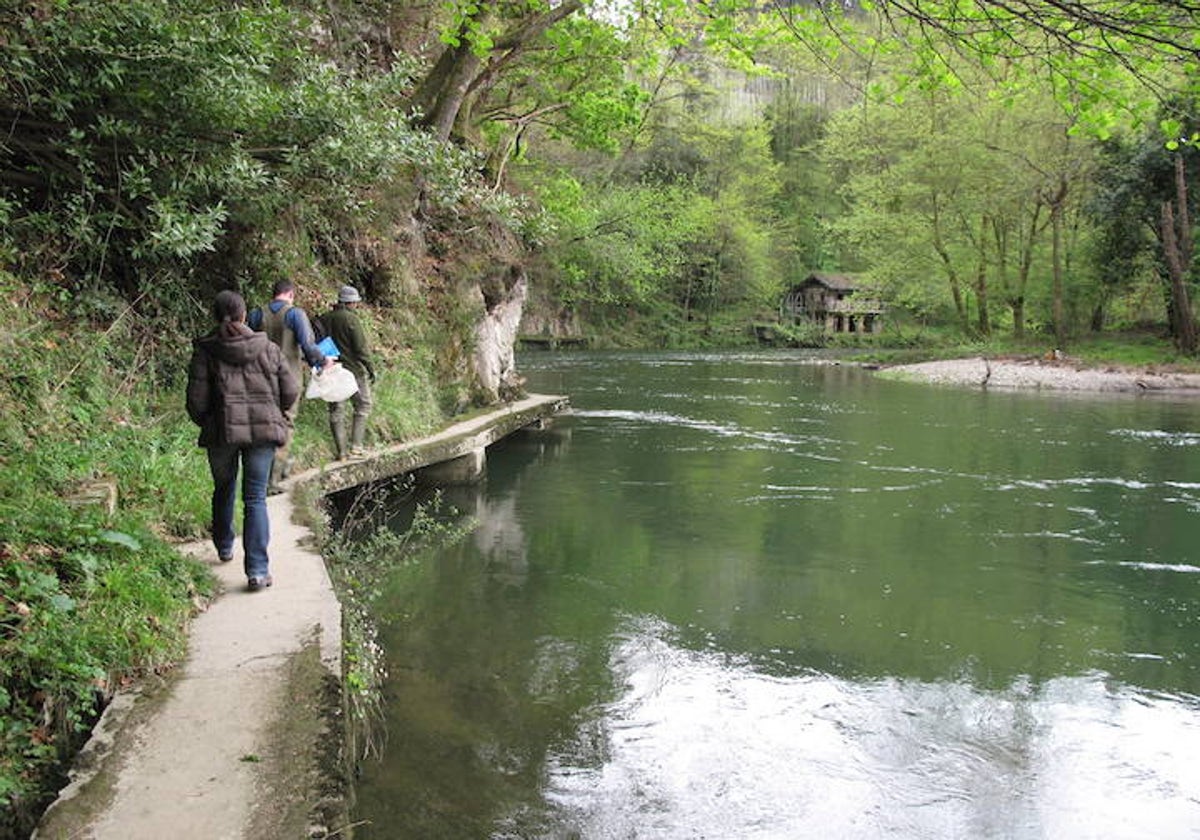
(239, 387)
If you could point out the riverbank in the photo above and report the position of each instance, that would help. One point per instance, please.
(1062, 374)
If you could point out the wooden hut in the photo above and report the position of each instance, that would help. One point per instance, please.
(831, 300)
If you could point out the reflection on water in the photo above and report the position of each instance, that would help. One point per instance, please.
(699, 746)
(748, 597)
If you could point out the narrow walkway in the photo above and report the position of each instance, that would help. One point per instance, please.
(235, 744)
(191, 757)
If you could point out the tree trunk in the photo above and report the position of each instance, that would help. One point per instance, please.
(960, 306)
(1177, 252)
(981, 282)
(1001, 239)
(461, 77)
(1024, 268)
(441, 94)
(1057, 202)
(1056, 305)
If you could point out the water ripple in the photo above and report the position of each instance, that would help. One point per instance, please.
(1159, 436)
(698, 746)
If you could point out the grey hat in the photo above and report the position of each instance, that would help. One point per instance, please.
(348, 294)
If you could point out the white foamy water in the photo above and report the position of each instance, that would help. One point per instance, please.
(698, 747)
(1159, 436)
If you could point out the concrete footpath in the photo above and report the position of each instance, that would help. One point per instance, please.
(217, 750)
(246, 738)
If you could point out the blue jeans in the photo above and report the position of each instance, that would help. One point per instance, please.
(256, 529)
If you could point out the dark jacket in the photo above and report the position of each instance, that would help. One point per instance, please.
(342, 325)
(238, 388)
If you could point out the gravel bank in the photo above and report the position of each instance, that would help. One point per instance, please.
(1037, 374)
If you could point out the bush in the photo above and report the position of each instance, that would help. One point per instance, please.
(89, 596)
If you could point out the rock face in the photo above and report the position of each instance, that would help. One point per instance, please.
(496, 337)
(545, 316)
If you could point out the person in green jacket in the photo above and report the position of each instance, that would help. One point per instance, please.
(342, 325)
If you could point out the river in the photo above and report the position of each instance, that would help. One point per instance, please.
(748, 595)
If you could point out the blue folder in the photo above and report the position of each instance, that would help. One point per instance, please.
(328, 348)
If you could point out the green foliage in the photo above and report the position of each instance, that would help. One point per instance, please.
(142, 133)
(617, 247)
(951, 196)
(87, 597)
(683, 233)
(83, 605)
(586, 73)
(1108, 67)
(805, 333)
(1137, 177)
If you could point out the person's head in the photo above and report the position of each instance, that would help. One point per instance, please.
(229, 307)
(284, 288)
(348, 295)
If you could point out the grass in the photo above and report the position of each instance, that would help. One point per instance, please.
(1140, 349)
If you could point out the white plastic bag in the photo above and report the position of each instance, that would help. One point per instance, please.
(332, 384)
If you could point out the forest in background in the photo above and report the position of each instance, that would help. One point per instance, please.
(1023, 187)
(656, 173)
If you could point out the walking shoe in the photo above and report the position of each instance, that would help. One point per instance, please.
(257, 583)
(225, 558)
(358, 452)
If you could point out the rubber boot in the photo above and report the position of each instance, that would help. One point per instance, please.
(358, 433)
(337, 425)
(279, 468)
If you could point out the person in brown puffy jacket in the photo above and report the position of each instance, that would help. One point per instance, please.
(239, 391)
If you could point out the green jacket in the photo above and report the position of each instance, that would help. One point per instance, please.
(342, 325)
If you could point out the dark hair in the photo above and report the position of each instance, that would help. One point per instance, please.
(283, 286)
(229, 307)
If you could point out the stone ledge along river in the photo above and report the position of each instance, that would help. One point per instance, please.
(753, 596)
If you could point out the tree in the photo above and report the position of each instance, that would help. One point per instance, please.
(965, 180)
(146, 136)
(1110, 62)
(1145, 210)
(507, 67)
(1178, 248)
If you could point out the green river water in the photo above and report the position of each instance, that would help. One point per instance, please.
(754, 596)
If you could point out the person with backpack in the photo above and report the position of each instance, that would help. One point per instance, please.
(288, 328)
(341, 323)
(239, 391)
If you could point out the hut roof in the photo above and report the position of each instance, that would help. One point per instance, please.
(839, 282)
